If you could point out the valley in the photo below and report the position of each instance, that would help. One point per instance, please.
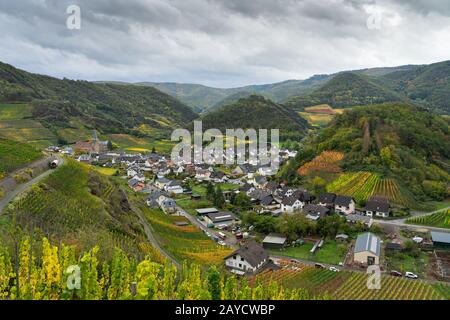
(362, 157)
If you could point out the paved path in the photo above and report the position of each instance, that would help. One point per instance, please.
(22, 187)
(402, 223)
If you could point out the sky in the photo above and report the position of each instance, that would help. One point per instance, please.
(225, 43)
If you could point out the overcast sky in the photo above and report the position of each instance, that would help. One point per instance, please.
(221, 43)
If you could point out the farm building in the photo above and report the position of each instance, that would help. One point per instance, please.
(248, 259)
(440, 239)
(203, 211)
(367, 249)
(274, 241)
(221, 219)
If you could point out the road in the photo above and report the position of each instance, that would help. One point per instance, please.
(402, 223)
(151, 238)
(9, 196)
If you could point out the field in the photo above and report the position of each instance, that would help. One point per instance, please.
(14, 155)
(361, 185)
(319, 115)
(105, 171)
(327, 162)
(440, 220)
(331, 252)
(132, 143)
(14, 111)
(346, 285)
(184, 243)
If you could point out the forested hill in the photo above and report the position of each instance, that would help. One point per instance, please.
(428, 85)
(347, 89)
(259, 113)
(106, 107)
(395, 141)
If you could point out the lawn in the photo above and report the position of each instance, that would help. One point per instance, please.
(331, 252)
(403, 262)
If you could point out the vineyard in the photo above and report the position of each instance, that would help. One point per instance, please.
(14, 155)
(361, 185)
(351, 285)
(327, 162)
(439, 219)
(184, 242)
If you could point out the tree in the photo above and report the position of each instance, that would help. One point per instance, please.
(242, 200)
(213, 277)
(219, 199)
(210, 194)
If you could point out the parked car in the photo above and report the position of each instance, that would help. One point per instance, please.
(334, 269)
(341, 264)
(396, 273)
(222, 243)
(411, 275)
(319, 266)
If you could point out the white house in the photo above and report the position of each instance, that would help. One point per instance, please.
(174, 187)
(291, 204)
(377, 206)
(345, 205)
(248, 259)
(161, 182)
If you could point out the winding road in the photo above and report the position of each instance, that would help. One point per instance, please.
(9, 196)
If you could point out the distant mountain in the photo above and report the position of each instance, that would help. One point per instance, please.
(110, 108)
(203, 99)
(427, 85)
(256, 112)
(347, 89)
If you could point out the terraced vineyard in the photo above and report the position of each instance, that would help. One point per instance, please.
(439, 219)
(327, 162)
(346, 285)
(14, 155)
(184, 242)
(361, 185)
(392, 288)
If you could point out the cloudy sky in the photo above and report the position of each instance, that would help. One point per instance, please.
(221, 43)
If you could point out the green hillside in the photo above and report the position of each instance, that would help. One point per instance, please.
(259, 113)
(346, 89)
(110, 108)
(13, 155)
(394, 146)
(79, 206)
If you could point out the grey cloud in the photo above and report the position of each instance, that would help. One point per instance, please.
(222, 43)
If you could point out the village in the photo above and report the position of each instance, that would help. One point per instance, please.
(244, 208)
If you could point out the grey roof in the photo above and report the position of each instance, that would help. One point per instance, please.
(267, 200)
(373, 205)
(259, 194)
(221, 216)
(327, 197)
(315, 209)
(289, 201)
(343, 201)
(442, 237)
(275, 238)
(206, 210)
(368, 242)
(163, 180)
(252, 252)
